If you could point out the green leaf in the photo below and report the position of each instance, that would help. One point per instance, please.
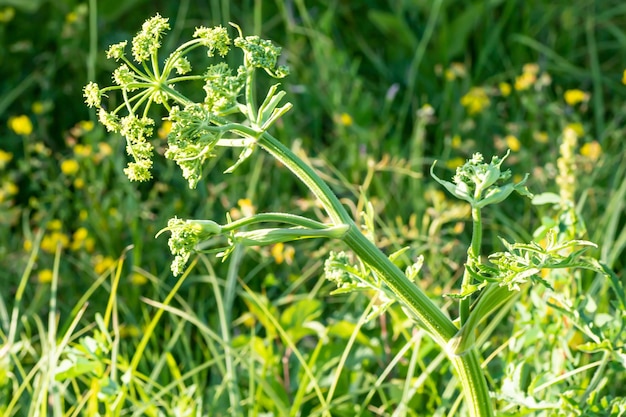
(300, 312)
(394, 256)
(546, 198)
(344, 330)
(591, 347)
(71, 368)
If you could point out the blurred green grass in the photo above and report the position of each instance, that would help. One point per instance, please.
(377, 89)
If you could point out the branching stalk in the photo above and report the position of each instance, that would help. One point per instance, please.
(429, 316)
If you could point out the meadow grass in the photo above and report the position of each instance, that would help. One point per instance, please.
(92, 321)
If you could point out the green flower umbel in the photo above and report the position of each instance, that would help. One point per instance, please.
(186, 234)
(481, 184)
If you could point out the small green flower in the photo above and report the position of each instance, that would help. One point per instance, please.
(123, 76)
(261, 53)
(191, 140)
(92, 94)
(522, 262)
(185, 236)
(139, 170)
(215, 39)
(109, 120)
(182, 65)
(147, 42)
(481, 184)
(336, 270)
(222, 88)
(116, 51)
(137, 130)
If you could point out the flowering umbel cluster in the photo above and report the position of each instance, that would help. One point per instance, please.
(185, 236)
(197, 127)
(480, 183)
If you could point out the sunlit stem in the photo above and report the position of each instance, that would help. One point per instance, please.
(473, 256)
(430, 317)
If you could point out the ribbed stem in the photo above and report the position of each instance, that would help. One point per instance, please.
(418, 304)
(472, 255)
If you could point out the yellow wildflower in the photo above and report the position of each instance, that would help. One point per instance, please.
(102, 264)
(86, 125)
(83, 214)
(44, 276)
(454, 163)
(71, 17)
(21, 125)
(345, 119)
(456, 141)
(137, 279)
(69, 167)
(7, 14)
(573, 97)
(578, 129)
(8, 189)
(283, 253)
(27, 245)
(246, 207)
(525, 81)
(576, 339)
(41, 149)
(456, 70)
(531, 68)
(78, 238)
(591, 150)
(79, 183)
(541, 137)
(82, 150)
(505, 89)
(624, 77)
(513, 143)
(165, 129)
(51, 241)
(55, 224)
(104, 149)
(475, 100)
(5, 158)
(90, 244)
(38, 107)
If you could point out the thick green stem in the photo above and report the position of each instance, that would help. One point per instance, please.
(473, 254)
(477, 232)
(417, 303)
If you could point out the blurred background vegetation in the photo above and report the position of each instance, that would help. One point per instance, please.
(381, 89)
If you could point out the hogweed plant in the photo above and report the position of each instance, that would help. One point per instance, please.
(231, 115)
